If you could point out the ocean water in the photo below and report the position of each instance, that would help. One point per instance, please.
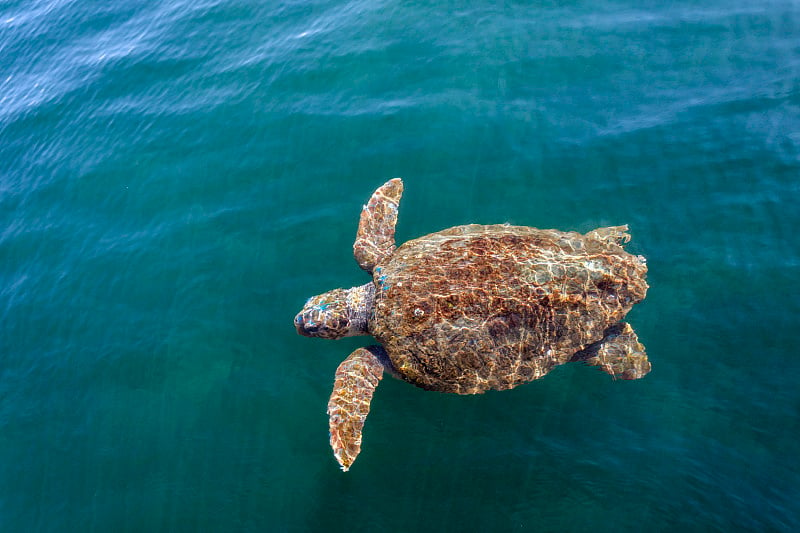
(177, 177)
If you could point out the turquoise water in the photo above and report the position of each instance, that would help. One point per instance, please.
(176, 178)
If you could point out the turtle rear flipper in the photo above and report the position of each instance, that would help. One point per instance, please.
(619, 353)
(612, 235)
(348, 407)
(375, 237)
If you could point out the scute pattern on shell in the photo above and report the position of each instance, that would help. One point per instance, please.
(474, 307)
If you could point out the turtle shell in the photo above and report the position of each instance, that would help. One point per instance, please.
(475, 307)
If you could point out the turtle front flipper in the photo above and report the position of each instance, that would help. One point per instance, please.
(618, 353)
(375, 237)
(356, 379)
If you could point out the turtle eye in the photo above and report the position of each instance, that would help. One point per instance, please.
(306, 328)
(306, 325)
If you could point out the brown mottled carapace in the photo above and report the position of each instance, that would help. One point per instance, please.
(474, 307)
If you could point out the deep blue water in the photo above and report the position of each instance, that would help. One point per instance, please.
(176, 178)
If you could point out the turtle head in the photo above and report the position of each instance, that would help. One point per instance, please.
(337, 313)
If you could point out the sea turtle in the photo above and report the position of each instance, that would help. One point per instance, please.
(473, 308)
